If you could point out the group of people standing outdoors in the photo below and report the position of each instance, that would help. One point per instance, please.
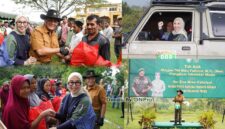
(115, 94)
(59, 36)
(6, 27)
(83, 106)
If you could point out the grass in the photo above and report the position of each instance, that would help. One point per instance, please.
(165, 117)
(113, 115)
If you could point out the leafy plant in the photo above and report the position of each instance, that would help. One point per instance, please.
(147, 118)
(207, 120)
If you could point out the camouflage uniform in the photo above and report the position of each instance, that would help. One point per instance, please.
(141, 83)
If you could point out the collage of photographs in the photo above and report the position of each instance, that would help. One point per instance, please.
(112, 64)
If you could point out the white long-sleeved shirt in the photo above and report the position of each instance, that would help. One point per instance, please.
(108, 32)
(76, 38)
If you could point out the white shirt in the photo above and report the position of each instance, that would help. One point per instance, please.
(8, 30)
(75, 40)
(158, 88)
(108, 32)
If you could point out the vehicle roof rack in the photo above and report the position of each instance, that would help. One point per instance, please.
(184, 2)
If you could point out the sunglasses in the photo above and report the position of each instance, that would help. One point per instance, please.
(74, 83)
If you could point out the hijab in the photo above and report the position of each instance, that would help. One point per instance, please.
(30, 77)
(16, 27)
(52, 90)
(182, 30)
(33, 97)
(82, 89)
(17, 108)
(4, 93)
(43, 95)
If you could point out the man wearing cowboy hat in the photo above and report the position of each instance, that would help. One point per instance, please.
(178, 106)
(98, 96)
(141, 84)
(44, 40)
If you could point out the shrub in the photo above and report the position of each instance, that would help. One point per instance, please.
(207, 120)
(147, 118)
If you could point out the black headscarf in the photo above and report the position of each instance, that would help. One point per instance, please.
(43, 95)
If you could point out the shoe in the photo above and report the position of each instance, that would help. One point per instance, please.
(122, 117)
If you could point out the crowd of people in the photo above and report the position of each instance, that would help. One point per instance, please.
(41, 103)
(62, 37)
(115, 94)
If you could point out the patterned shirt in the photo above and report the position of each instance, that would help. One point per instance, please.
(141, 83)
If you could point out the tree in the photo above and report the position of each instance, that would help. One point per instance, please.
(131, 16)
(65, 7)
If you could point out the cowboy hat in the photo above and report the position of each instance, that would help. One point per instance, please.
(51, 14)
(90, 73)
(180, 91)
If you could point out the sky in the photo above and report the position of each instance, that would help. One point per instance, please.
(34, 15)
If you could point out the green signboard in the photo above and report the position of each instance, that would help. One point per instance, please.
(203, 78)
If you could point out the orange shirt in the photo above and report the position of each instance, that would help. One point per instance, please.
(98, 96)
(179, 99)
(41, 38)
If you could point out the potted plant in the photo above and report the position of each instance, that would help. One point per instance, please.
(147, 119)
(207, 120)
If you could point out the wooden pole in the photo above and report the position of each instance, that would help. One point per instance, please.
(223, 115)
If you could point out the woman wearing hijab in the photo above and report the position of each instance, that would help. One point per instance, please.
(58, 91)
(179, 33)
(33, 97)
(4, 93)
(18, 44)
(52, 87)
(43, 90)
(16, 111)
(76, 110)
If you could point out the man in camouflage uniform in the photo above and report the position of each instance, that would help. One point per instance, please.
(141, 84)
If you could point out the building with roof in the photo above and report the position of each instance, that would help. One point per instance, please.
(111, 10)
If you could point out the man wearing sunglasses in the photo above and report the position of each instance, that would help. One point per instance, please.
(98, 96)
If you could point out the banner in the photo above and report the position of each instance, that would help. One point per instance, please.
(203, 78)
